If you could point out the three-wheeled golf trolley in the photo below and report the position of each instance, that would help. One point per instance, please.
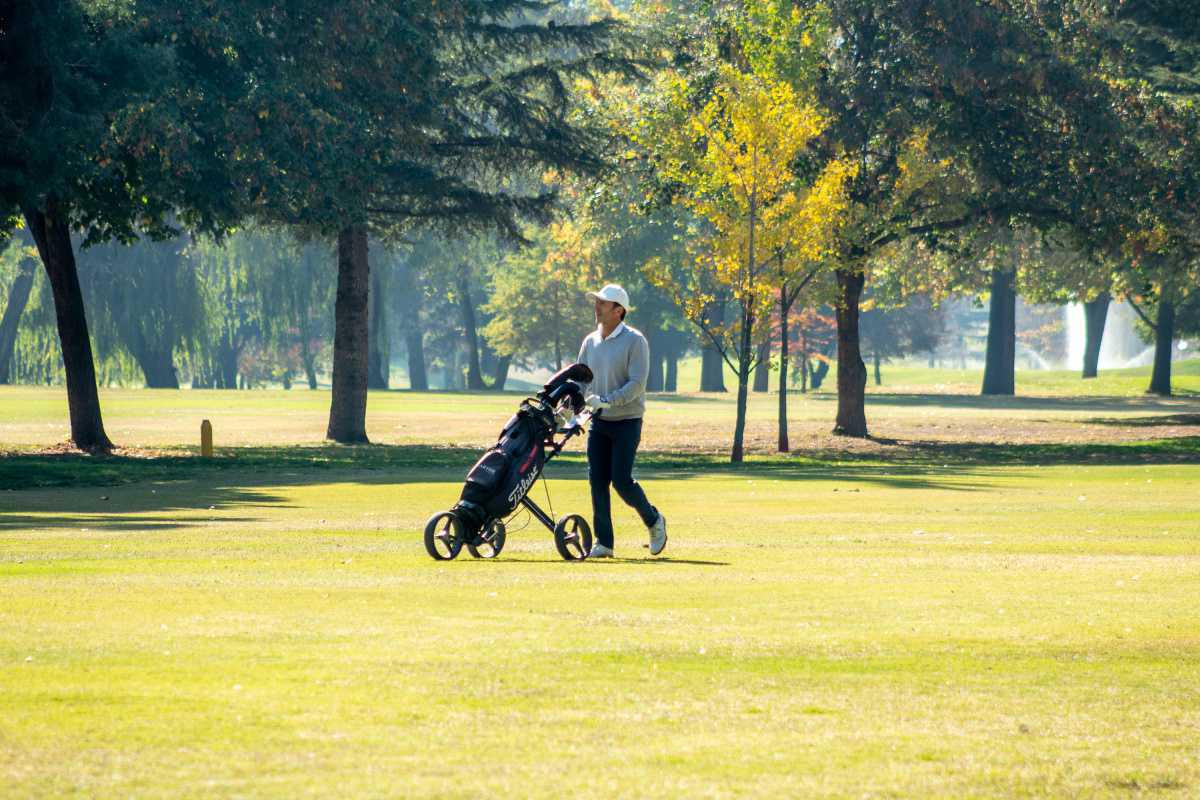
(500, 481)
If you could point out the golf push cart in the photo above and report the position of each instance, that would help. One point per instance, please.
(500, 481)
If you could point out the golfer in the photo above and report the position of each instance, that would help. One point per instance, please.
(619, 358)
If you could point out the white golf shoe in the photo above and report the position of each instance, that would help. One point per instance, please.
(600, 551)
(658, 535)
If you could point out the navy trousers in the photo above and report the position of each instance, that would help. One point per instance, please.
(611, 449)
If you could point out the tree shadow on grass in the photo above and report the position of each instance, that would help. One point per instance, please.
(662, 561)
(251, 465)
(248, 477)
(1162, 421)
(65, 491)
(117, 522)
(972, 455)
(1026, 403)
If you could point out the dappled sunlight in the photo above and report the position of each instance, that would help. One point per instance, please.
(456, 424)
(288, 584)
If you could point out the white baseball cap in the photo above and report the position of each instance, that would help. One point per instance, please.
(613, 294)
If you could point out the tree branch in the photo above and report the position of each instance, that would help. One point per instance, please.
(1140, 313)
(960, 222)
(717, 343)
(789, 299)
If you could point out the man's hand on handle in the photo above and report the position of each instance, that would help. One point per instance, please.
(596, 403)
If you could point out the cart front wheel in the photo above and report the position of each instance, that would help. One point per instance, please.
(491, 541)
(443, 536)
(573, 537)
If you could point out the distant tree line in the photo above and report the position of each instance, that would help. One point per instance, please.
(256, 310)
(778, 182)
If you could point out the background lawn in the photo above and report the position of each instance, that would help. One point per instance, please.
(913, 376)
(995, 598)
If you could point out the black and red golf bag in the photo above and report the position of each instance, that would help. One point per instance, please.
(503, 476)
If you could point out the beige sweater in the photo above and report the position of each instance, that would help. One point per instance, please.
(619, 365)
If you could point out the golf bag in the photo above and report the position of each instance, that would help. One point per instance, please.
(503, 476)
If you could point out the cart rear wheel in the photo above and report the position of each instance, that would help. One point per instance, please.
(573, 537)
(443, 536)
(491, 541)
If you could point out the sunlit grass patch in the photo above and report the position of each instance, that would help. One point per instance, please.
(971, 608)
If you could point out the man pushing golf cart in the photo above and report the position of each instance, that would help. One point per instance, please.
(619, 359)
(613, 363)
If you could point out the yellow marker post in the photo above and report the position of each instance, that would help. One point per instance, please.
(206, 439)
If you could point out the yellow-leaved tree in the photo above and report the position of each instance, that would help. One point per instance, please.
(539, 311)
(731, 161)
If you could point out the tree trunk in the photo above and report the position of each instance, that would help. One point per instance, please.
(309, 362)
(348, 405)
(418, 378)
(159, 369)
(378, 358)
(712, 365)
(458, 380)
(999, 372)
(53, 239)
(804, 361)
(712, 370)
(654, 376)
(490, 364)
(467, 306)
(745, 347)
(762, 371)
(408, 299)
(500, 376)
(1164, 342)
(228, 356)
(783, 370)
(18, 298)
(671, 384)
(1095, 313)
(818, 374)
(878, 373)
(851, 371)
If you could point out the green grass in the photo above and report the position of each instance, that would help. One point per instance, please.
(914, 376)
(1185, 380)
(962, 611)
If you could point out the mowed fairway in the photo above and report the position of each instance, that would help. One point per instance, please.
(926, 615)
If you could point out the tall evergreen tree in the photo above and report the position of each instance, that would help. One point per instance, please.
(373, 115)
